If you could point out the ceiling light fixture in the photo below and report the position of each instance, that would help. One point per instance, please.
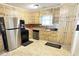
(33, 6)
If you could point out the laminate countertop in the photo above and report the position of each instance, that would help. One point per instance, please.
(42, 28)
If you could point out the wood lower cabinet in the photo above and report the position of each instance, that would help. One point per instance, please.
(43, 35)
(53, 39)
(30, 34)
(49, 36)
(53, 36)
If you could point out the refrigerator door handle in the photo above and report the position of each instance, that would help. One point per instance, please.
(12, 29)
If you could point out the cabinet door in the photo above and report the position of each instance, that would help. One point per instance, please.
(62, 24)
(30, 34)
(2, 10)
(61, 31)
(70, 31)
(34, 18)
(56, 13)
(53, 39)
(53, 36)
(41, 35)
(37, 18)
(44, 35)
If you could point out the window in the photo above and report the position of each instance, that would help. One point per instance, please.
(46, 20)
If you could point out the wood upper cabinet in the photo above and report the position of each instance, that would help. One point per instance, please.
(2, 12)
(31, 18)
(37, 18)
(7, 10)
(34, 18)
(10, 11)
(56, 14)
(68, 11)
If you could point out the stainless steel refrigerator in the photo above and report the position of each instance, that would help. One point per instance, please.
(12, 32)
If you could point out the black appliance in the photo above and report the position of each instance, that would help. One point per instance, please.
(3, 33)
(77, 29)
(24, 32)
(36, 34)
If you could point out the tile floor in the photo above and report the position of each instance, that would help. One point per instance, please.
(37, 48)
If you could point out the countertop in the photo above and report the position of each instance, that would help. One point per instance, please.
(42, 28)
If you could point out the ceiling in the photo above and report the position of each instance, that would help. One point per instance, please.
(41, 5)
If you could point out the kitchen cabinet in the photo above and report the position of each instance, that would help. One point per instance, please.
(56, 13)
(69, 32)
(2, 12)
(34, 18)
(37, 18)
(42, 35)
(67, 24)
(53, 36)
(31, 18)
(66, 34)
(49, 36)
(30, 33)
(8, 11)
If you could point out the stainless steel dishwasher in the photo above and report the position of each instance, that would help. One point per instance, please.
(36, 34)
